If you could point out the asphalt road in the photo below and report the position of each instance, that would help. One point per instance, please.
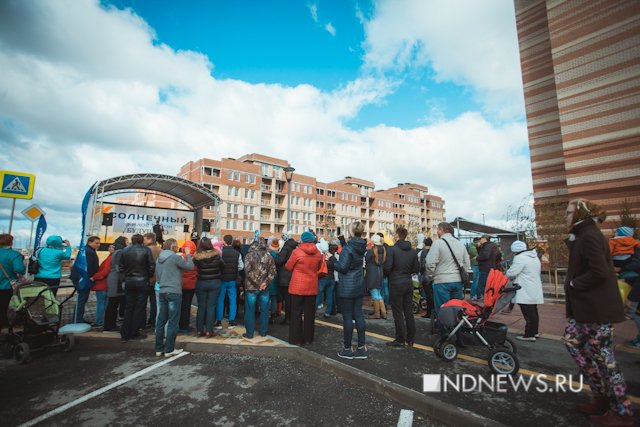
(197, 389)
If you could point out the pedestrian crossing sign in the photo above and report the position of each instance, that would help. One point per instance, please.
(17, 185)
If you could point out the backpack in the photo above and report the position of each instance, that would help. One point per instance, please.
(34, 266)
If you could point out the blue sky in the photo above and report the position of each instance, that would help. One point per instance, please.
(280, 42)
(386, 90)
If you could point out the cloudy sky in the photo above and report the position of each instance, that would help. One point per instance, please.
(387, 90)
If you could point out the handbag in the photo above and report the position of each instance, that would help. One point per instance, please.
(324, 270)
(12, 282)
(464, 276)
(34, 266)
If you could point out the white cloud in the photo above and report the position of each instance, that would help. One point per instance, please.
(470, 43)
(87, 93)
(330, 28)
(313, 8)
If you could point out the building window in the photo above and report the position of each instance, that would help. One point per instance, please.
(235, 208)
(237, 176)
(253, 179)
(235, 225)
(247, 179)
(228, 224)
(237, 191)
(253, 194)
(230, 175)
(246, 193)
(230, 189)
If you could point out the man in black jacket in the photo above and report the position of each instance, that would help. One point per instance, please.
(137, 266)
(487, 259)
(232, 260)
(284, 275)
(93, 243)
(402, 263)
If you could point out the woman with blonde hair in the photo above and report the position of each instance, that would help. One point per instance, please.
(593, 305)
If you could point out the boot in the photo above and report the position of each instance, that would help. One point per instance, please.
(376, 310)
(597, 405)
(383, 310)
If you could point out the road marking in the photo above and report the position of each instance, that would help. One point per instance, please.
(549, 378)
(406, 418)
(100, 391)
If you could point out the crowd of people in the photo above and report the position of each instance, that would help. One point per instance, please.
(148, 285)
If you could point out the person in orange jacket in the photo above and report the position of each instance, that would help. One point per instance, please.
(189, 279)
(100, 288)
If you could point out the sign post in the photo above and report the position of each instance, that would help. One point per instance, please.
(16, 185)
(32, 213)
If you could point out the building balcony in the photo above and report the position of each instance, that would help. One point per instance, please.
(265, 187)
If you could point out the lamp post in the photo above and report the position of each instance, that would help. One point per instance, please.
(518, 222)
(288, 172)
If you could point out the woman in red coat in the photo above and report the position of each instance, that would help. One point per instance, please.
(304, 263)
(189, 279)
(100, 287)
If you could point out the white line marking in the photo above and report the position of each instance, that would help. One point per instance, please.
(100, 391)
(406, 418)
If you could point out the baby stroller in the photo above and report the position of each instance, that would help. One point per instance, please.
(468, 324)
(35, 307)
(418, 298)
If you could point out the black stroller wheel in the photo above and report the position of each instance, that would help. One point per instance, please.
(503, 362)
(415, 308)
(21, 352)
(449, 351)
(437, 345)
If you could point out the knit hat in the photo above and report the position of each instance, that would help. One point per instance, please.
(518, 246)
(624, 232)
(307, 237)
(323, 246)
(376, 240)
(275, 244)
(286, 235)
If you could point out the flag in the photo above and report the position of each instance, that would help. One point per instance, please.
(81, 260)
(40, 229)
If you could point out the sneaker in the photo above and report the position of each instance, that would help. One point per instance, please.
(247, 336)
(159, 354)
(474, 298)
(395, 343)
(327, 316)
(320, 307)
(523, 338)
(346, 353)
(218, 325)
(633, 343)
(174, 352)
(361, 353)
(231, 325)
(537, 335)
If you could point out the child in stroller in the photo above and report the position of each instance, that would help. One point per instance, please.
(468, 324)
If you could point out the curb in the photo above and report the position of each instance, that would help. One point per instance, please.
(418, 402)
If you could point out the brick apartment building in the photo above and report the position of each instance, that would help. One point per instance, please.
(581, 73)
(253, 189)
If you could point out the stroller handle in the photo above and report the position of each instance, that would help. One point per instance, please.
(514, 288)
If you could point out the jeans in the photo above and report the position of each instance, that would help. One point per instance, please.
(273, 304)
(299, 332)
(474, 284)
(482, 283)
(185, 309)
(101, 306)
(136, 295)
(385, 291)
(83, 297)
(443, 292)
(250, 298)
(227, 288)
(168, 315)
(402, 307)
(325, 285)
(530, 314)
(352, 309)
(208, 293)
(376, 295)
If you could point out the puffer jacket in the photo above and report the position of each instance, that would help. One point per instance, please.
(209, 265)
(349, 267)
(13, 263)
(189, 277)
(623, 245)
(284, 275)
(100, 278)
(402, 263)
(525, 271)
(49, 258)
(304, 265)
(115, 277)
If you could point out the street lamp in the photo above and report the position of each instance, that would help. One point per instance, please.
(288, 173)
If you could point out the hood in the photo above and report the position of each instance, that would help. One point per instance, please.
(120, 243)
(308, 248)
(358, 245)
(531, 254)
(165, 255)
(403, 245)
(189, 244)
(54, 241)
(258, 245)
(205, 254)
